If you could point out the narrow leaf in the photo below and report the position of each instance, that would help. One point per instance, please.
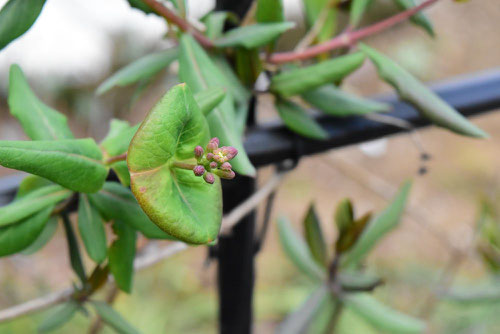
(382, 317)
(297, 119)
(298, 252)
(200, 73)
(352, 280)
(180, 203)
(121, 255)
(119, 143)
(336, 102)
(427, 102)
(253, 36)
(16, 237)
(378, 227)
(139, 4)
(113, 318)
(91, 229)
(32, 203)
(74, 250)
(141, 69)
(29, 184)
(121, 170)
(208, 99)
(215, 21)
(114, 201)
(39, 121)
(314, 237)
(234, 87)
(58, 316)
(73, 163)
(419, 19)
(269, 11)
(300, 80)
(43, 238)
(316, 8)
(16, 17)
(358, 9)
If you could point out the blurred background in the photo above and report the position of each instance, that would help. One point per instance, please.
(75, 45)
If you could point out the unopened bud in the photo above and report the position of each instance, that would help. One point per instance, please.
(213, 144)
(198, 151)
(225, 174)
(199, 170)
(229, 151)
(210, 156)
(226, 166)
(209, 178)
(213, 164)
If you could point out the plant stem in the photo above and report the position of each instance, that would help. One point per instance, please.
(116, 158)
(184, 25)
(183, 165)
(348, 37)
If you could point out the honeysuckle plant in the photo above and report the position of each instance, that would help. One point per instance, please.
(170, 165)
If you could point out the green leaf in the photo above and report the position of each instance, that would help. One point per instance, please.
(477, 294)
(382, 317)
(91, 229)
(427, 102)
(43, 238)
(113, 318)
(215, 21)
(208, 99)
(336, 102)
(39, 121)
(248, 65)
(180, 203)
(121, 170)
(119, 142)
(344, 215)
(73, 163)
(121, 255)
(29, 184)
(115, 201)
(116, 127)
(420, 19)
(16, 17)
(32, 203)
(269, 11)
(200, 73)
(299, 320)
(141, 69)
(254, 35)
(314, 236)
(58, 316)
(238, 91)
(313, 10)
(74, 250)
(300, 80)
(378, 227)
(16, 237)
(139, 4)
(298, 120)
(351, 280)
(298, 252)
(358, 9)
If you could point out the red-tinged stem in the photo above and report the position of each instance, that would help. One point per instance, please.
(184, 25)
(183, 165)
(116, 158)
(348, 37)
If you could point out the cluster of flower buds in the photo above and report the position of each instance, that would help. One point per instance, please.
(214, 160)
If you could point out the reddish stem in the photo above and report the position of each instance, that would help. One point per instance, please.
(348, 37)
(116, 158)
(184, 25)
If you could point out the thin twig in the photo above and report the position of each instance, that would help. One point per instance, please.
(175, 19)
(349, 37)
(148, 258)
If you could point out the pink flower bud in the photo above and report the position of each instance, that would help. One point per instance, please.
(226, 166)
(213, 144)
(225, 174)
(213, 164)
(210, 156)
(199, 170)
(198, 151)
(209, 178)
(229, 151)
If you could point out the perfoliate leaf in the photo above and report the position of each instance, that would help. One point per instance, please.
(378, 227)
(39, 121)
(208, 99)
(358, 9)
(269, 11)
(180, 203)
(299, 320)
(121, 255)
(253, 36)
(16, 237)
(29, 184)
(427, 102)
(113, 318)
(336, 102)
(32, 203)
(298, 252)
(115, 201)
(200, 73)
(298, 120)
(58, 316)
(43, 238)
(16, 17)
(313, 10)
(141, 69)
(420, 19)
(382, 317)
(300, 80)
(91, 229)
(73, 163)
(314, 237)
